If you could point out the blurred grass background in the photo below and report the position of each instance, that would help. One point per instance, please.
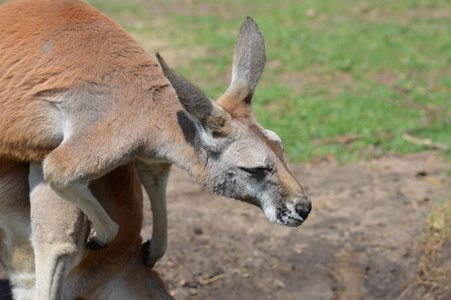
(345, 80)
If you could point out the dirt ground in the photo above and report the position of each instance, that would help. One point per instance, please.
(363, 239)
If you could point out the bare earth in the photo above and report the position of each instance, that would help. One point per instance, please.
(362, 240)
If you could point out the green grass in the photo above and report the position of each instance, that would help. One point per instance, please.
(335, 68)
(372, 70)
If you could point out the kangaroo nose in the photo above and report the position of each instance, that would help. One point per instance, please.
(304, 207)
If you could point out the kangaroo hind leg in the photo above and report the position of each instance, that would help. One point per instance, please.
(59, 229)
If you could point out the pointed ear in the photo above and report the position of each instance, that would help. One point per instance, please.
(193, 100)
(248, 62)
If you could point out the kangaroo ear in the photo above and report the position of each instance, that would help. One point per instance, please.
(193, 100)
(248, 62)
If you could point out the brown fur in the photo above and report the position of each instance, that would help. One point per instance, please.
(32, 70)
(120, 193)
(82, 98)
(80, 95)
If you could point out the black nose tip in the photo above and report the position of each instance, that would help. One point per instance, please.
(303, 209)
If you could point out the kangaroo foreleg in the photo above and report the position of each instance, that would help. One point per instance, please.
(154, 178)
(72, 166)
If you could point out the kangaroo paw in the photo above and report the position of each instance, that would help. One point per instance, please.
(146, 252)
(93, 242)
(149, 256)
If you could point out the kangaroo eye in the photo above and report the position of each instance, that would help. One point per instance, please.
(255, 171)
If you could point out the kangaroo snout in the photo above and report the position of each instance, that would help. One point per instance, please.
(292, 213)
(303, 206)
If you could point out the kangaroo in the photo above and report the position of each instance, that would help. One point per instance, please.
(81, 97)
(62, 268)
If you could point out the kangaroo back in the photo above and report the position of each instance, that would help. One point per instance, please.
(59, 56)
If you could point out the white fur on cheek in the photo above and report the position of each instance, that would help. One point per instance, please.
(270, 213)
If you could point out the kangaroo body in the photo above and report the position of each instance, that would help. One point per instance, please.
(80, 98)
(116, 272)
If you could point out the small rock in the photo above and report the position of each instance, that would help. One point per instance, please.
(198, 230)
(421, 174)
(279, 283)
(193, 291)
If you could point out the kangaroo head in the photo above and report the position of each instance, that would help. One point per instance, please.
(242, 160)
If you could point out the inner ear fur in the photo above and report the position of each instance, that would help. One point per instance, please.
(249, 60)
